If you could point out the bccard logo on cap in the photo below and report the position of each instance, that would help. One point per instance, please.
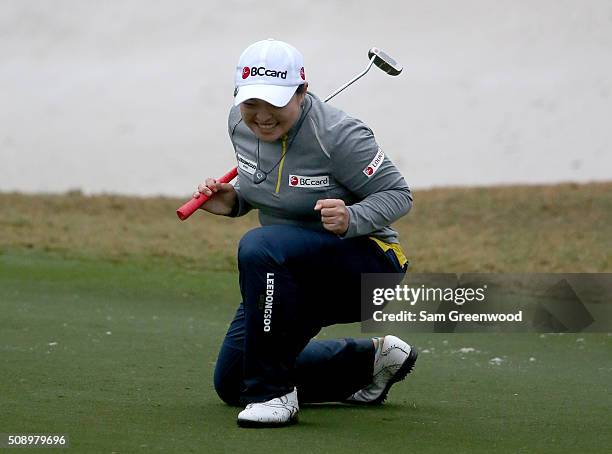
(302, 75)
(262, 71)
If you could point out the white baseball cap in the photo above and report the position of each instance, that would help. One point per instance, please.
(270, 70)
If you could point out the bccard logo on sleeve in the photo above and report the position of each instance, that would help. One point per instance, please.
(300, 181)
(246, 164)
(373, 166)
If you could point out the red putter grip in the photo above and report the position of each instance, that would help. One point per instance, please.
(190, 207)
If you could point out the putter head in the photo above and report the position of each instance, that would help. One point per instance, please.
(385, 62)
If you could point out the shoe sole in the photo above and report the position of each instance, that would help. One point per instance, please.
(261, 425)
(405, 369)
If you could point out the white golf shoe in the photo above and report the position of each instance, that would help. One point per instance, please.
(280, 411)
(394, 360)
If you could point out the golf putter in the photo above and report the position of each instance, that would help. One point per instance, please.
(379, 58)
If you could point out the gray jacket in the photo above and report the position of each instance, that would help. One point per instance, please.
(329, 155)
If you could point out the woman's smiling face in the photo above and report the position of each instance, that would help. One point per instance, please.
(269, 123)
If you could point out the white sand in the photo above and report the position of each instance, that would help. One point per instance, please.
(132, 96)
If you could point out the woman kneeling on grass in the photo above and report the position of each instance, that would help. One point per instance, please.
(326, 195)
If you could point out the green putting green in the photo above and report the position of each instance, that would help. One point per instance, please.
(119, 356)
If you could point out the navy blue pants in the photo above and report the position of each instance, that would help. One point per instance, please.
(293, 282)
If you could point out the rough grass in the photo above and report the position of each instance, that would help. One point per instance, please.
(113, 312)
(560, 228)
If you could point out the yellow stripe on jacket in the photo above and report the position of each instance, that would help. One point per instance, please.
(395, 247)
